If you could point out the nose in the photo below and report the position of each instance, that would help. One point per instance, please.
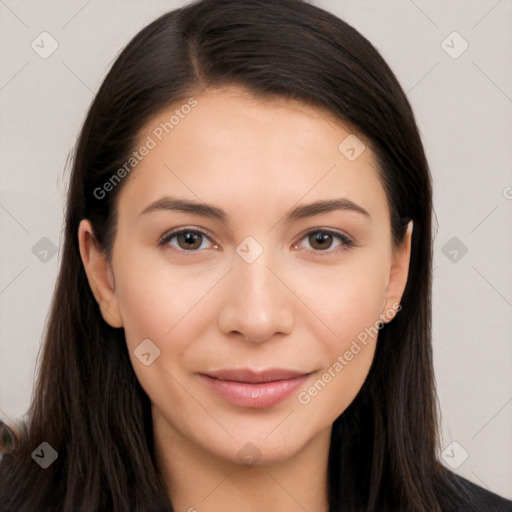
(257, 304)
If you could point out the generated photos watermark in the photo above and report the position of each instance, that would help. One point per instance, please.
(151, 142)
(305, 397)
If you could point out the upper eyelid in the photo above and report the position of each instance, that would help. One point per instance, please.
(331, 231)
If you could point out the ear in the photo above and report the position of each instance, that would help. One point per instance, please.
(99, 274)
(397, 276)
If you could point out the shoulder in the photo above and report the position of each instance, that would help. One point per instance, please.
(462, 495)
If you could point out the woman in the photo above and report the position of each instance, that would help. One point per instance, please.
(242, 314)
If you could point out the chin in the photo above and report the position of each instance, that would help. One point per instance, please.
(252, 449)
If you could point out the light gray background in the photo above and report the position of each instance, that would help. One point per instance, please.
(464, 109)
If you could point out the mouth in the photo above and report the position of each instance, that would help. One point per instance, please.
(254, 389)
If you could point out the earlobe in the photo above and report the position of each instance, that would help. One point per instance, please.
(398, 275)
(99, 274)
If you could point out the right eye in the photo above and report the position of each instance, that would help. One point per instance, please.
(188, 240)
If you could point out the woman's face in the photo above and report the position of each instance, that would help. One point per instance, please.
(261, 310)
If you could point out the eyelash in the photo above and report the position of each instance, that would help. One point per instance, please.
(346, 242)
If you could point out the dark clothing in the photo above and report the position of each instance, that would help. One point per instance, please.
(469, 497)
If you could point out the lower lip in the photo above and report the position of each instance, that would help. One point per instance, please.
(261, 395)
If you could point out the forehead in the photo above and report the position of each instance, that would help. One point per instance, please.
(231, 147)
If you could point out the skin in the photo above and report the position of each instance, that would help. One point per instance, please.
(299, 305)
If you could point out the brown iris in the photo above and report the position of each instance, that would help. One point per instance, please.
(320, 240)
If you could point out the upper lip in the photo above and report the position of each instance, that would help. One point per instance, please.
(254, 376)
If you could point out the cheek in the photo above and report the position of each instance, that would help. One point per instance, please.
(157, 303)
(348, 300)
(345, 298)
(153, 297)
(169, 306)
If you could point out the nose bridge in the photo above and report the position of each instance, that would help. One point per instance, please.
(257, 305)
(256, 281)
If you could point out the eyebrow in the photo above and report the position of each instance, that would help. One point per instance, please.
(208, 210)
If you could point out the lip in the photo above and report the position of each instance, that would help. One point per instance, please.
(255, 389)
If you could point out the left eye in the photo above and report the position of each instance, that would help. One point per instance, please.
(322, 240)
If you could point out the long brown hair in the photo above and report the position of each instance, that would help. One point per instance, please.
(88, 404)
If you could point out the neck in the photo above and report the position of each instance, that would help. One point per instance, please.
(199, 481)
